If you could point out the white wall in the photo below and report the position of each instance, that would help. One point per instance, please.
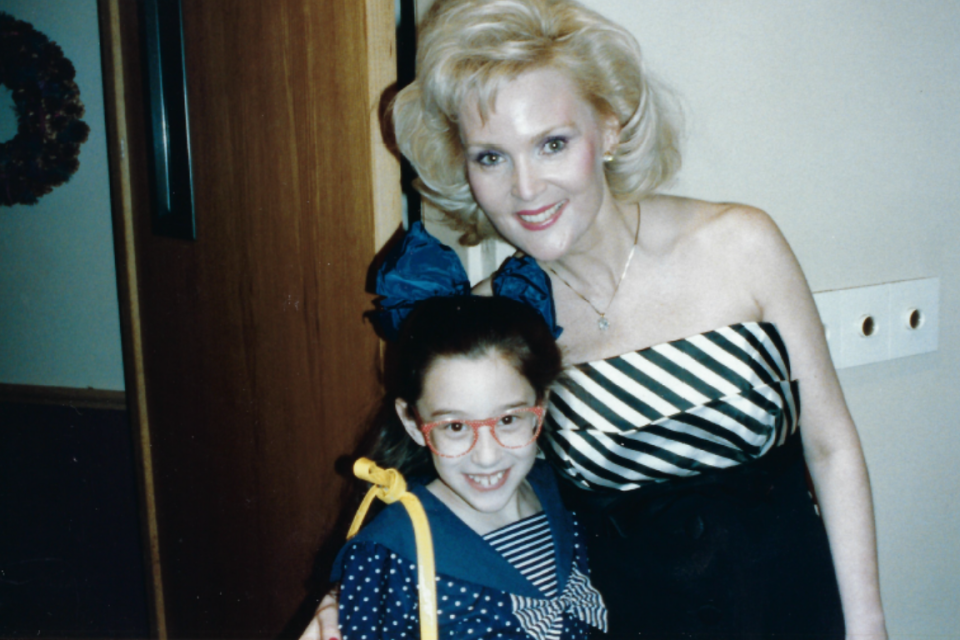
(840, 118)
(59, 317)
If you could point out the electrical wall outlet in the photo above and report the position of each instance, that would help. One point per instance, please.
(914, 312)
(864, 325)
(880, 322)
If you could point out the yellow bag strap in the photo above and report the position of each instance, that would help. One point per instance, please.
(389, 486)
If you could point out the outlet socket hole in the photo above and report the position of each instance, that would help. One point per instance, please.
(868, 326)
(914, 319)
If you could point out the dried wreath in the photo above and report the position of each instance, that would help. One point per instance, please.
(43, 153)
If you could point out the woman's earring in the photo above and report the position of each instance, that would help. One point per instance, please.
(608, 156)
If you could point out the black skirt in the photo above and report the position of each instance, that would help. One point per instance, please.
(738, 553)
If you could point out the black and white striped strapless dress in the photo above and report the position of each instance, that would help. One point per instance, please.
(686, 460)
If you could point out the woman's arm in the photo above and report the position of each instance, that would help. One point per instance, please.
(325, 622)
(831, 445)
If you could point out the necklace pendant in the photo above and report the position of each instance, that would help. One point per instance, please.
(603, 324)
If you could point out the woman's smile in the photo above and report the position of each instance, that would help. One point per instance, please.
(541, 218)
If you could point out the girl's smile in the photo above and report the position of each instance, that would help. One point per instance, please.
(489, 481)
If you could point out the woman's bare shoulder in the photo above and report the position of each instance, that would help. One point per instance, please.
(715, 224)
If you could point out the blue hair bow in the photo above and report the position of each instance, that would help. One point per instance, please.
(422, 267)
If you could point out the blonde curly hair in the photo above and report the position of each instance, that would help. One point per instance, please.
(468, 48)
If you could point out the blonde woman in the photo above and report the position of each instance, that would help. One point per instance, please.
(690, 334)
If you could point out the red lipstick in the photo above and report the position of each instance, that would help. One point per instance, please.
(538, 219)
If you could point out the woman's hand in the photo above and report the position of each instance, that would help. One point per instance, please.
(325, 624)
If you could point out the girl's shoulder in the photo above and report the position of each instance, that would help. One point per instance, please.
(390, 533)
(392, 528)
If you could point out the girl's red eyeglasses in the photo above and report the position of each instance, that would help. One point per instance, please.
(456, 437)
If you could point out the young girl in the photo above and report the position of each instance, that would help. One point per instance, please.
(473, 374)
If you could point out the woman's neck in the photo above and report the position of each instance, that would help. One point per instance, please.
(594, 266)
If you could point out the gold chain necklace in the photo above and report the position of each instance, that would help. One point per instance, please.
(602, 323)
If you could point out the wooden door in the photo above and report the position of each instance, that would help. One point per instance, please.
(250, 365)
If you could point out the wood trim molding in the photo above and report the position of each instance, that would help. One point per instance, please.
(112, 25)
(64, 396)
(381, 28)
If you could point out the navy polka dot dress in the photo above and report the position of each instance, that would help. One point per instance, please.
(480, 592)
